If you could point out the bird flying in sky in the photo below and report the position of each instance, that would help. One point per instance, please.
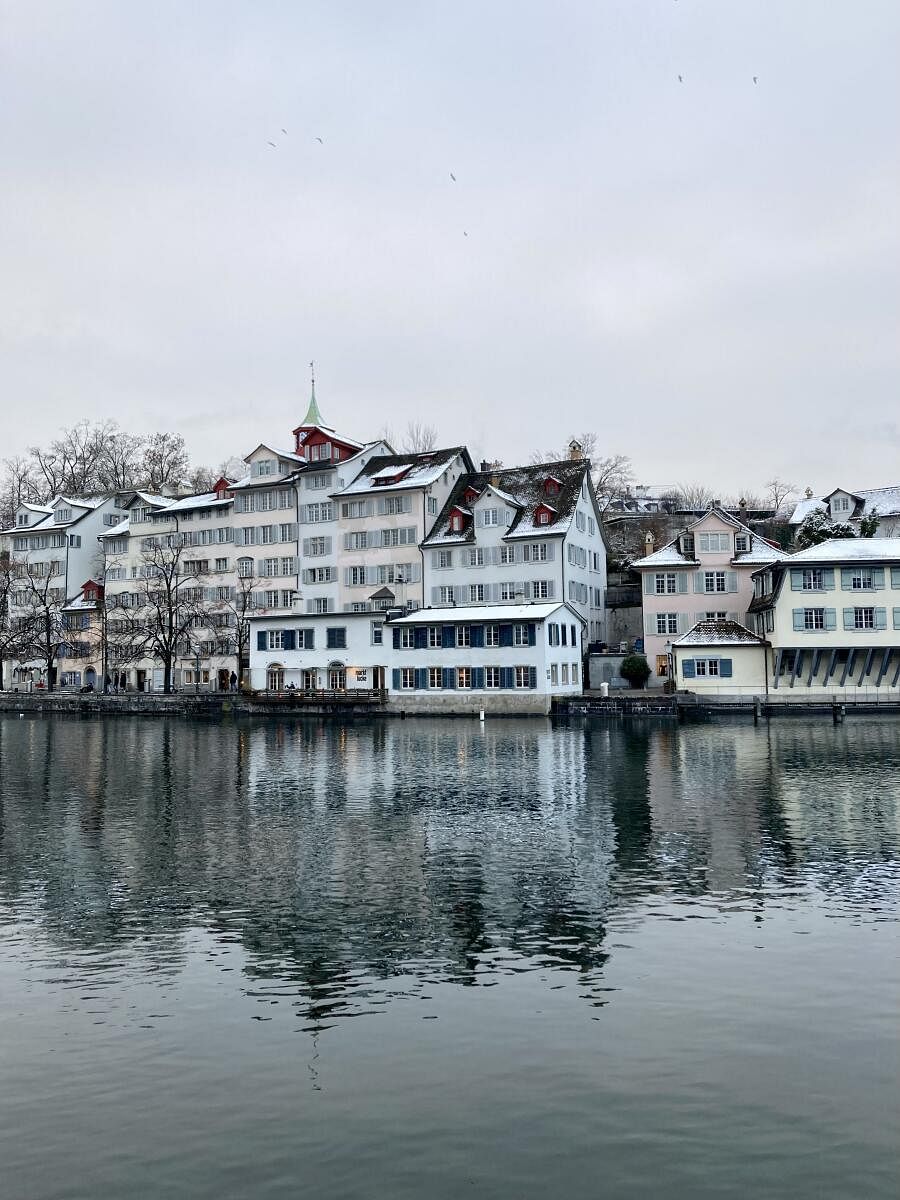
(453, 177)
(319, 140)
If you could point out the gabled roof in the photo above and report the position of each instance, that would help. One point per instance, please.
(289, 455)
(886, 500)
(666, 556)
(522, 490)
(719, 633)
(761, 549)
(417, 470)
(838, 550)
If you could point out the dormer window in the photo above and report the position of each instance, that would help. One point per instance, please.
(22, 519)
(741, 543)
(543, 517)
(266, 466)
(456, 522)
(840, 504)
(62, 514)
(470, 494)
(552, 486)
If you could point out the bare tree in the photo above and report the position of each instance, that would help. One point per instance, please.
(11, 627)
(38, 600)
(241, 605)
(161, 618)
(118, 458)
(746, 496)
(780, 493)
(164, 462)
(18, 486)
(418, 438)
(693, 496)
(612, 477)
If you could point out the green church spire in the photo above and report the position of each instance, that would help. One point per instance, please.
(313, 416)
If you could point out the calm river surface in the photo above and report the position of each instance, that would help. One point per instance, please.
(427, 959)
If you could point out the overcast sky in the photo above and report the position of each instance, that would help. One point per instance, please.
(704, 272)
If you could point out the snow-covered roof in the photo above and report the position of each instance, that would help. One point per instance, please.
(666, 556)
(415, 471)
(838, 550)
(202, 500)
(483, 612)
(761, 552)
(290, 455)
(117, 530)
(886, 500)
(718, 633)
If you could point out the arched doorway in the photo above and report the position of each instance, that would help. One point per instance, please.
(337, 677)
(275, 677)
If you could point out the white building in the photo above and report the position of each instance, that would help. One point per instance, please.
(505, 536)
(503, 658)
(720, 658)
(852, 507)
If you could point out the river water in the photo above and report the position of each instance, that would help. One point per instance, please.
(429, 959)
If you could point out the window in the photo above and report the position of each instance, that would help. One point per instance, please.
(862, 579)
(266, 466)
(336, 637)
(579, 520)
(435, 677)
(741, 543)
(840, 504)
(317, 546)
(706, 666)
(392, 505)
(319, 482)
(434, 636)
(407, 638)
(476, 593)
(444, 558)
(714, 543)
(407, 678)
(320, 604)
(464, 677)
(541, 589)
(491, 677)
(492, 635)
(864, 618)
(476, 557)
(456, 522)
(492, 516)
(62, 514)
(319, 512)
(814, 618)
(813, 580)
(543, 518)
(537, 552)
(356, 577)
(666, 583)
(507, 555)
(520, 635)
(574, 672)
(350, 508)
(667, 623)
(357, 541)
(564, 673)
(552, 634)
(221, 564)
(507, 591)
(464, 635)
(276, 639)
(715, 615)
(377, 633)
(445, 595)
(714, 581)
(554, 674)
(432, 506)
(522, 677)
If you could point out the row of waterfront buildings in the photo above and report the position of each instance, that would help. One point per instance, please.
(339, 565)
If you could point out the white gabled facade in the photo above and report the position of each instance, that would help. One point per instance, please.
(508, 536)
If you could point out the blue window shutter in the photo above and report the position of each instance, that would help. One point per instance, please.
(395, 679)
(796, 580)
(478, 677)
(290, 642)
(799, 619)
(506, 638)
(878, 578)
(682, 582)
(828, 574)
(848, 619)
(846, 578)
(687, 668)
(881, 618)
(897, 618)
(421, 677)
(725, 668)
(421, 638)
(396, 639)
(698, 581)
(477, 636)
(448, 637)
(649, 582)
(449, 676)
(731, 581)
(895, 577)
(507, 679)
(532, 677)
(532, 635)
(260, 639)
(831, 618)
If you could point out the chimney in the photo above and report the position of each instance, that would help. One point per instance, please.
(495, 480)
(742, 504)
(485, 466)
(649, 542)
(808, 493)
(717, 503)
(576, 450)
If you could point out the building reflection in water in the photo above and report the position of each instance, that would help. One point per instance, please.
(343, 857)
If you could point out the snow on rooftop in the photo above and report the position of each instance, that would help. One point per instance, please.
(482, 612)
(718, 633)
(666, 556)
(850, 550)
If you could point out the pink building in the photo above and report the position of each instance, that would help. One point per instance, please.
(704, 574)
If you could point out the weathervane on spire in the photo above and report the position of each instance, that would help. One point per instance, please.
(313, 416)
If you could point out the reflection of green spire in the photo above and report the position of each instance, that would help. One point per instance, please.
(313, 416)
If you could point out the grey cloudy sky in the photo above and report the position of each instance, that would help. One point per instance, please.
(704, 272)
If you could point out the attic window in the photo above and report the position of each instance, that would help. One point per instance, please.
(470, 494)
(456, 522)
(552, 486)
(543, 517)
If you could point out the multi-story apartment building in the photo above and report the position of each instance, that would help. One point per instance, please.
(704, 574)
(81, 658)
(510, 535)
(383, 517)
(52, 552)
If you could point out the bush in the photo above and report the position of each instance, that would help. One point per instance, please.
(635, 669)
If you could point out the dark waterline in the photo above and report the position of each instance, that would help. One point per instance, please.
(428, 959)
